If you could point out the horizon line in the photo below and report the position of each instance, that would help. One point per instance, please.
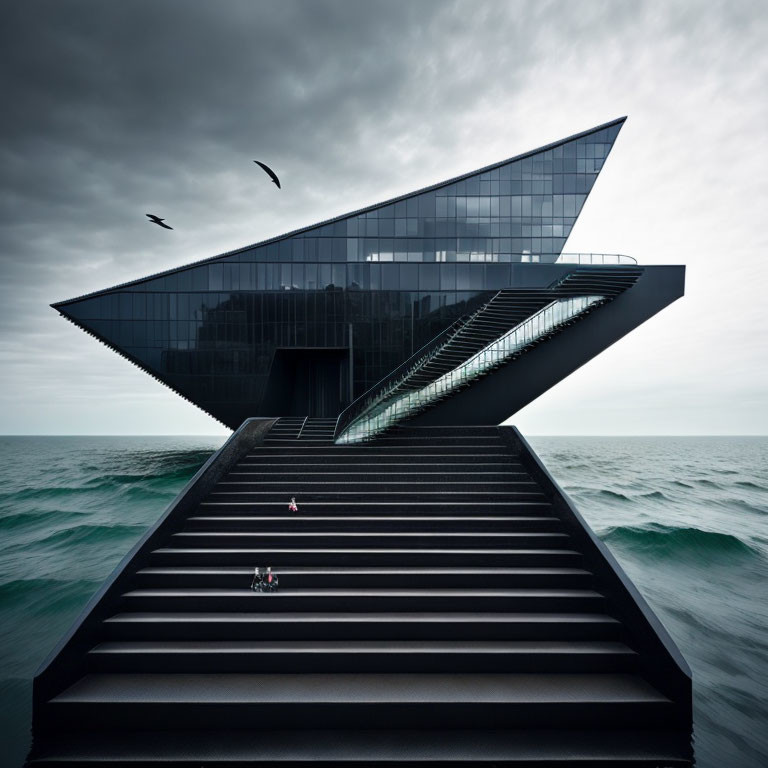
(211, 434)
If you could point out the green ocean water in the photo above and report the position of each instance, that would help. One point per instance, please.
(686, 517)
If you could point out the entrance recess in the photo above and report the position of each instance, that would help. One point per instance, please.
(308, 382)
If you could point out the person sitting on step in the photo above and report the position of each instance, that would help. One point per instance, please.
(258, 580)
(270, 580)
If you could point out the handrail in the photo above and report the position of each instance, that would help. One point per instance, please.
(370, 394)
(377, 391)
(541, 323)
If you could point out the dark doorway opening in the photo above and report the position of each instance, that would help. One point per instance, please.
(308, 382)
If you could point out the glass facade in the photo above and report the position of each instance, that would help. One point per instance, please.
(363, 291)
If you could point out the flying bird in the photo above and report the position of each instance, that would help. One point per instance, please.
(272, 175)
(157, 220)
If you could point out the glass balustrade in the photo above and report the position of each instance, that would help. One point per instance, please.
(394, 406)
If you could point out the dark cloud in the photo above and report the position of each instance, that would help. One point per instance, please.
(116, 109)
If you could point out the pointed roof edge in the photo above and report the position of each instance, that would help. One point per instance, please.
(358, 212)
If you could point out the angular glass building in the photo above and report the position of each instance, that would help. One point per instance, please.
(305, 323)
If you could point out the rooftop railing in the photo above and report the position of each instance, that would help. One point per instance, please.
(606, 259)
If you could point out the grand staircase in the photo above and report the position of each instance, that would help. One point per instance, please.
(435, 606)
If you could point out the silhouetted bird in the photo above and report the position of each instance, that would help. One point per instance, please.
(157, 220)
(270, 172)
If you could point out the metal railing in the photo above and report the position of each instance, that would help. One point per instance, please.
(606, 259)
(395, 377)
(385, 411)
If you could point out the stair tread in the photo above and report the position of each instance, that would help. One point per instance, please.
(380, 617)
(358, 483)
(362, 688)
(368, 550)
(399, 473)
(504, 462)
(372, 746)
(413, 503)
(407, 493)
(370, 592)
(378, 518)
(366, 450)
(332, 569)
(467, 535)
(364, 646)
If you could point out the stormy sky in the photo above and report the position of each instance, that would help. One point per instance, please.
(115, 109)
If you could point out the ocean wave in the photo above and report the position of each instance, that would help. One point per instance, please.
(742, 505)
(49, 592)
(655, 495)
(42, 494)
(751, 485)
(118, 479)
(34, 517)
(152, 480)
(615, 495)
(661, 539)
(93, 533)
(709, 483)
(139, 486)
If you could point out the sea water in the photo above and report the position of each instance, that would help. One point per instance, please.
(686, 517)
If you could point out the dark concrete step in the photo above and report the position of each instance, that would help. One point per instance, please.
(334, 507)
(362, 656)
(542, 748)
(222, 625)
(356, 539)
(440, 432)
(237, 577)
(423, 459)
(329, 493)
(252, 701)
(365, 486)
(359, 523)
(376, 449)
(369, 556)
(305, 441)
(450, 438)
(288, 474)
(365, 600)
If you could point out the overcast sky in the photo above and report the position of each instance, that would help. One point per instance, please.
(114, 109)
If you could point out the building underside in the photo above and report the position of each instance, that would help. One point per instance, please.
(440, 599)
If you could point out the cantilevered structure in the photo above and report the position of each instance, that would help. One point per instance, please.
(441, 600)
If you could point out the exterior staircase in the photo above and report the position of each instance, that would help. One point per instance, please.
(439, 602)
(511, 323)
